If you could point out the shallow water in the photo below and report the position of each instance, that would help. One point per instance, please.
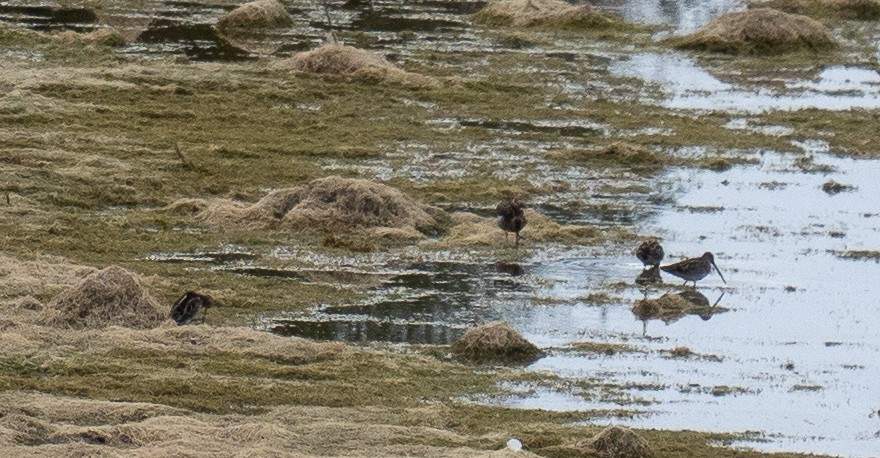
(800, 342)
(685, 85)
(685, 16)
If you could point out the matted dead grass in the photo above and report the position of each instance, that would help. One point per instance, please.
(104, 37)
(494, 343)
(469, 229)
(347, 61)
(254, 17)
(617, 442)
(112, 296)
(333, 204)
(762, 31)
(617, 153)
(542, 13)
(860, 10)
(26, 280)
(35, 424)
(671, 307)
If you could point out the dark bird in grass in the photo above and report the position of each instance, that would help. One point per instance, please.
(650, 253)
(694, 269)
(186, 308)
(511, 218)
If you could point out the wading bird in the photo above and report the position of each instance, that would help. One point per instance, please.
(650, 253)
(186, 308)
(511, 218)
(694, 269)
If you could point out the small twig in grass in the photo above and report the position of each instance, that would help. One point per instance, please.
(183, 160)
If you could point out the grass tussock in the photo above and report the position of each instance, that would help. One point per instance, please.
(469, 229)
(617, 153)
(762, 31)
(618, 442)
(40, 278)
(254, 17)
(112, 296)
(671, 307)
(103, 37)
(542, 13)
(335, 204)
(859, 10)
(348, 61)
(494, 343)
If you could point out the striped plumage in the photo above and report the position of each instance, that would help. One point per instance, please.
(650, 253)
(694, 269)
(186, 308)
(511, 218)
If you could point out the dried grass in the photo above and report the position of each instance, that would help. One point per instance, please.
(542, 13)
(863, 10)
(332, 204)
(617, 442)
(103, 37)
(762, 31)
(617, 153)
(670, 307)
(254, 17)
(469, 229)
(494, 343)
(112, 296)
(46, 275)
(342, 60)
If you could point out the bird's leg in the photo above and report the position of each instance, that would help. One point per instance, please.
(505, 236)
(516, 243)
(685, 283)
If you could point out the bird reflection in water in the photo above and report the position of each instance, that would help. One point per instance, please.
(672, 307)
(649, 277)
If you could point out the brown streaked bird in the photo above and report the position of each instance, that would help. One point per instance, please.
(186, 308)
(511, 218)
(650, 253)
(694, 269)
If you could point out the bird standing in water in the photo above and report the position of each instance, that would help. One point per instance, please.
(650, 253)
(511, 218)
(186, 308)
(694, 269)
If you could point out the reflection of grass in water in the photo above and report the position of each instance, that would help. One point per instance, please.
(863, 255)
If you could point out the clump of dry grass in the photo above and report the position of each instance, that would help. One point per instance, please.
(494, 343)
(332, 204)
(542, 13)
(112, 296)
(254, 17)
(864, 10)
(617, 442)
(469, 229)
(762, 31)
(832, 187)
(45, 275)
(104, 37)
(618, 153)
(670, 307)
(343, 60)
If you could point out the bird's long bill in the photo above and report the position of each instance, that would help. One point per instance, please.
(719, 272)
